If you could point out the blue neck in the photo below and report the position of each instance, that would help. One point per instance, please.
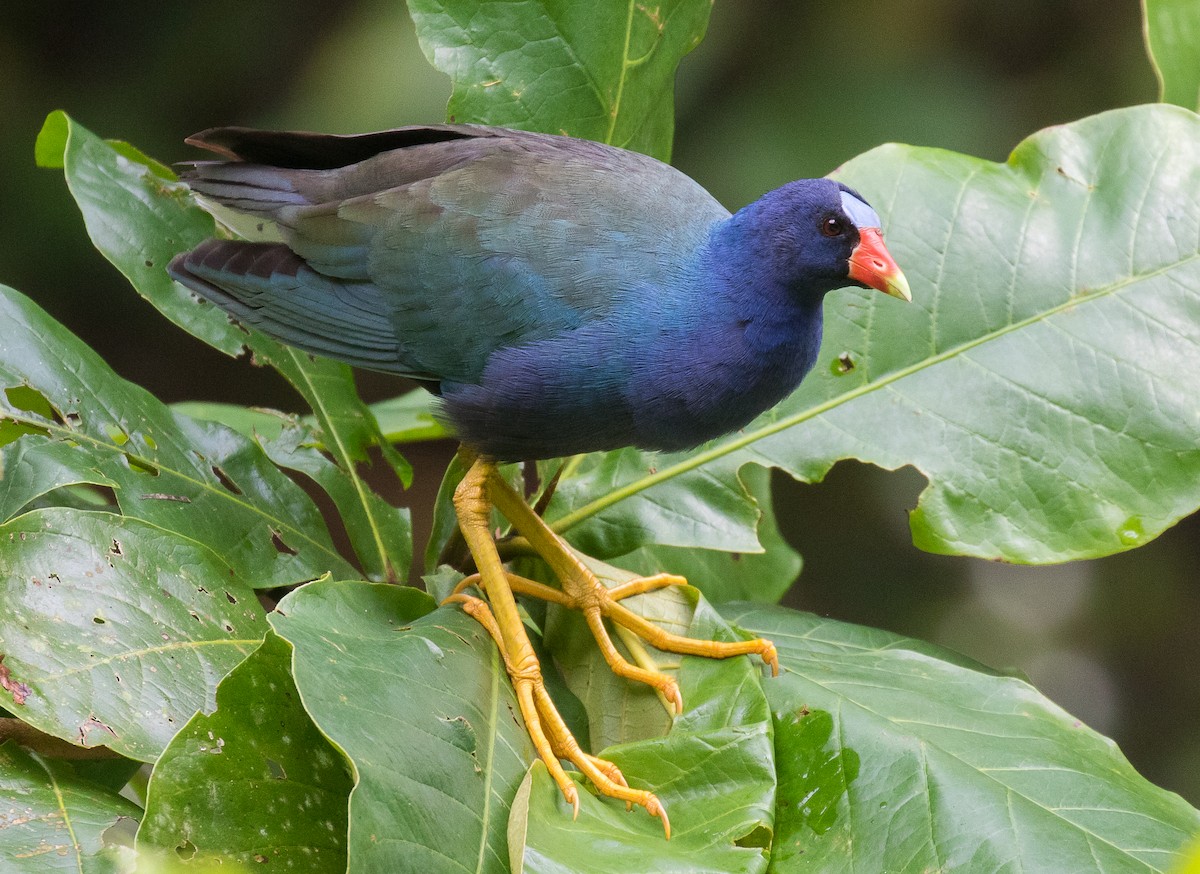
(730, 352)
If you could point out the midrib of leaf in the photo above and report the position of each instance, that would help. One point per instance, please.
(64, 433)
(565, 523)
(62, 807)
(489, 768)
(317, 401)
(150, 650)
(615, 111)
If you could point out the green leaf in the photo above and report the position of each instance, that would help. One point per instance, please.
(1043, 378)
(139, 221)
(1172, 30)
(420, 704)
(200, 480)
(730, 575)
(291, 442)
(714, 771)
(408, 418)
(118, 630)
(252, 422)
(618, 711)
(372, 524)
(922, 763)
(255, 782)
(699, 508)
(51, 820)
(602, 71)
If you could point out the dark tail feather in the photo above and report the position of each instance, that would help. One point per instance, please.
(245, 187)
(268, 287)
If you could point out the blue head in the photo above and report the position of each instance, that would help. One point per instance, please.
(810, 237)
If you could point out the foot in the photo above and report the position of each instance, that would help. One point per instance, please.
(480, 490)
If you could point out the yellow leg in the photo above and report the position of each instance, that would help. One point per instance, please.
(472, 502)
(584, 592)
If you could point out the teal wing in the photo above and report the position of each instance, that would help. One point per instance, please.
(423, 250)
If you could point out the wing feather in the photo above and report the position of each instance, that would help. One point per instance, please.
(472, 238)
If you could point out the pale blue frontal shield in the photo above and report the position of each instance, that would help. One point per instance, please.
(859, 212)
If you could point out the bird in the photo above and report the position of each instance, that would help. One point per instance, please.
(558, 296)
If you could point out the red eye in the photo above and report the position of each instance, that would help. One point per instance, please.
(832, 227)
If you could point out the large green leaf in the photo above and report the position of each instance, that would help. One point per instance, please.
(255, 782)
(420, 704)
(1173, 40)
(72, 420)
(139, 217)
(700, 507)
(729, 575)
(51, 820)
(894, 757)
(1044, 377)
(603, 70)
(118, 630)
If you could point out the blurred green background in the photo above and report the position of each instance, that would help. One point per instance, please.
(778, 90)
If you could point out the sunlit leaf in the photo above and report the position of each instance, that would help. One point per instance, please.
(1044, 377)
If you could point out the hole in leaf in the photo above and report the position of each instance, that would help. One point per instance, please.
(759, 838)
(276, 770)
(280, 546)
(99, 620)
(230, 598)
(115, 549)
(843, 364)
(140, 465)
(186, 850)
(30, 400)
(224, 479)
(11, 430)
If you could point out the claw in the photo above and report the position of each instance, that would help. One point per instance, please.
(771, 656)
(674, 696)
(655, 808)
(573, 800)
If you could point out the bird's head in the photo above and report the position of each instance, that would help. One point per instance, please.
(816, 235)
